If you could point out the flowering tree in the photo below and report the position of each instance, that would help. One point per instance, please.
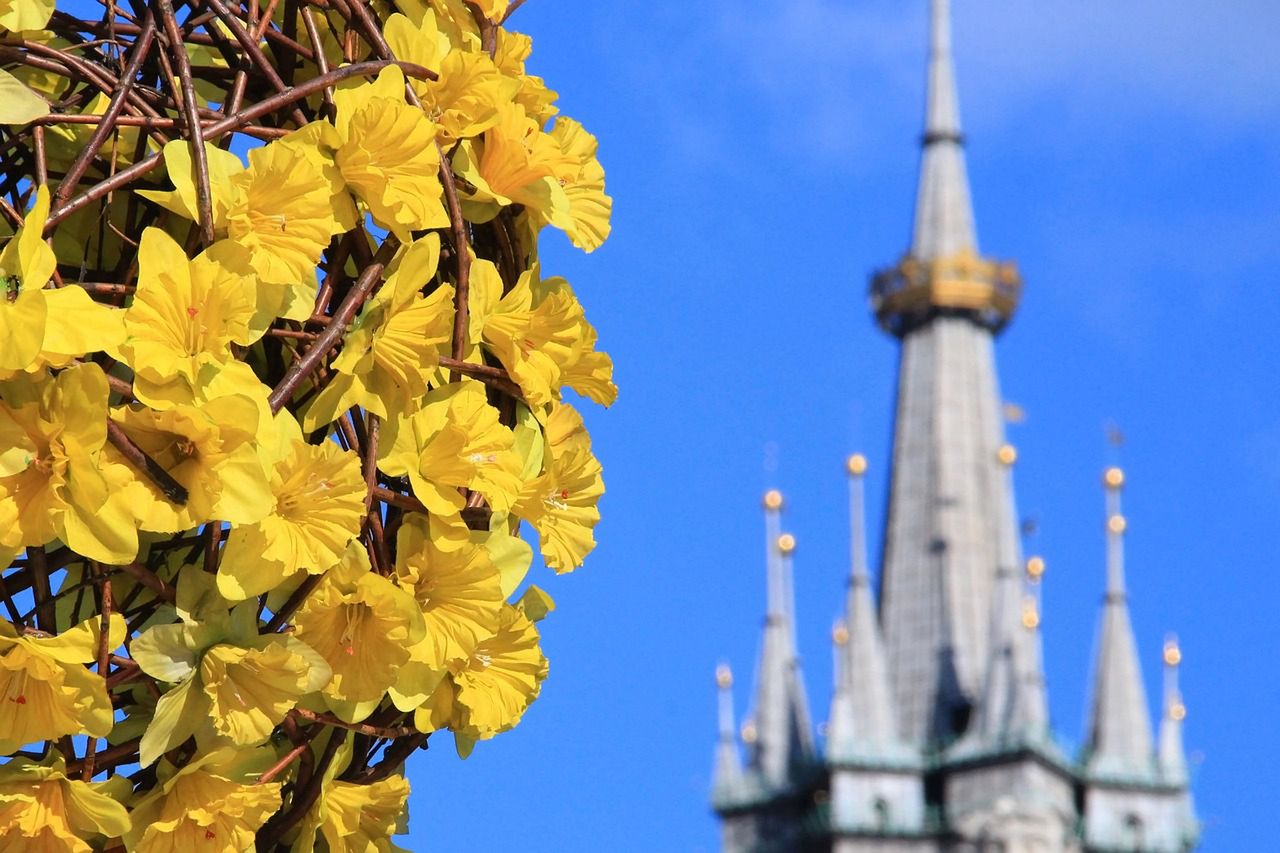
(280, 380)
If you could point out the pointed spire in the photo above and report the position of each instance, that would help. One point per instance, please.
(863, 723)
(1173, 759)
(1119, 737)
(728, 768)
(783, 737)
(944, 212)
(1012, 707)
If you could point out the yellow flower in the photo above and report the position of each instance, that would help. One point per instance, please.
(19, 15)
(493, 9)
(26, 265)
(211, 804)
(285, 207)
(464, 101)
(512, 50)
(517, 163)
(185, 316)
(532, 343)
(46, 691)
(489, 693)
(392, 347)
(319, 506)
(582, 177)
(455, 441)
(211, 450)
(355, 818)
(231, 684)
(363, 625)
(540, 334)
(387, 155)
(41, 809)
(561, 502)
(53, 471)
(459, 591)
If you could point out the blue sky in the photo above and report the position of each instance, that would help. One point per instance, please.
(762, 157)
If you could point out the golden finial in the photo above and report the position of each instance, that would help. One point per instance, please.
(749, 732)
(1113, 477)
(724, 676)
(786, 543)
(1117, 524)
(1035, 568)
(1172, 651)
(773, 499)
(1030, 616)
(840, 634)
(1177, 712)
(856, 465)
(1007, 454)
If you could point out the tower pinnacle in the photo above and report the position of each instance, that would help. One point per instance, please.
(942, 271)
(784, 739)
(1119, 737)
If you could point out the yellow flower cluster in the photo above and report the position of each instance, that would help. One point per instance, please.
(280, 402)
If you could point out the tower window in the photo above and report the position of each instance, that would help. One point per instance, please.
(1133, 832)
(881, 811)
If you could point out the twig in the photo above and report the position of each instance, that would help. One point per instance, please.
(190, 111)
(328, 339)
(172, 489)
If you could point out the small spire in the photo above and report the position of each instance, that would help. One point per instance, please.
(1119, 736)
(944, 212)
(1173, 759)
(782, 738)
(1013, 707)
(728, 768)
(863, 723)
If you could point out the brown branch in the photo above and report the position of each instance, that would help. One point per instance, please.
(41, 591)
(406, 502)
(151, 581)
(388, 732)
(229, 124)
(104, 651)
(109, 118)
(172, 489)
(393, 759)
(329, 338)
(462, 259)
(303, 799)
(292, 603)
(288, 758)
(191, 114)
(495, 376)
(250, 46)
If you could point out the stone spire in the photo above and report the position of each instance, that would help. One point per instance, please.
(1172, 757)
(1119, 736)
(728, 767)
(863, 723)
(947, 503)
(944, 213)
(784, 739)
(1012, 708)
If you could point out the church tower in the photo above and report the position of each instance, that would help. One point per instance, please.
(939, 735)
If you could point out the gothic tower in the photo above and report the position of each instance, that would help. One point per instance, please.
(939, 736)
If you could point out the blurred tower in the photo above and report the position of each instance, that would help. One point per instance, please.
(939, 737)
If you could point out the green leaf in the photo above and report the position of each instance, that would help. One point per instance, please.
(529, 443)
(178, 714)
(18, 104)
(536, 604)
(164, 652)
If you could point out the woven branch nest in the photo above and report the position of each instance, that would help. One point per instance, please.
(281, 388)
